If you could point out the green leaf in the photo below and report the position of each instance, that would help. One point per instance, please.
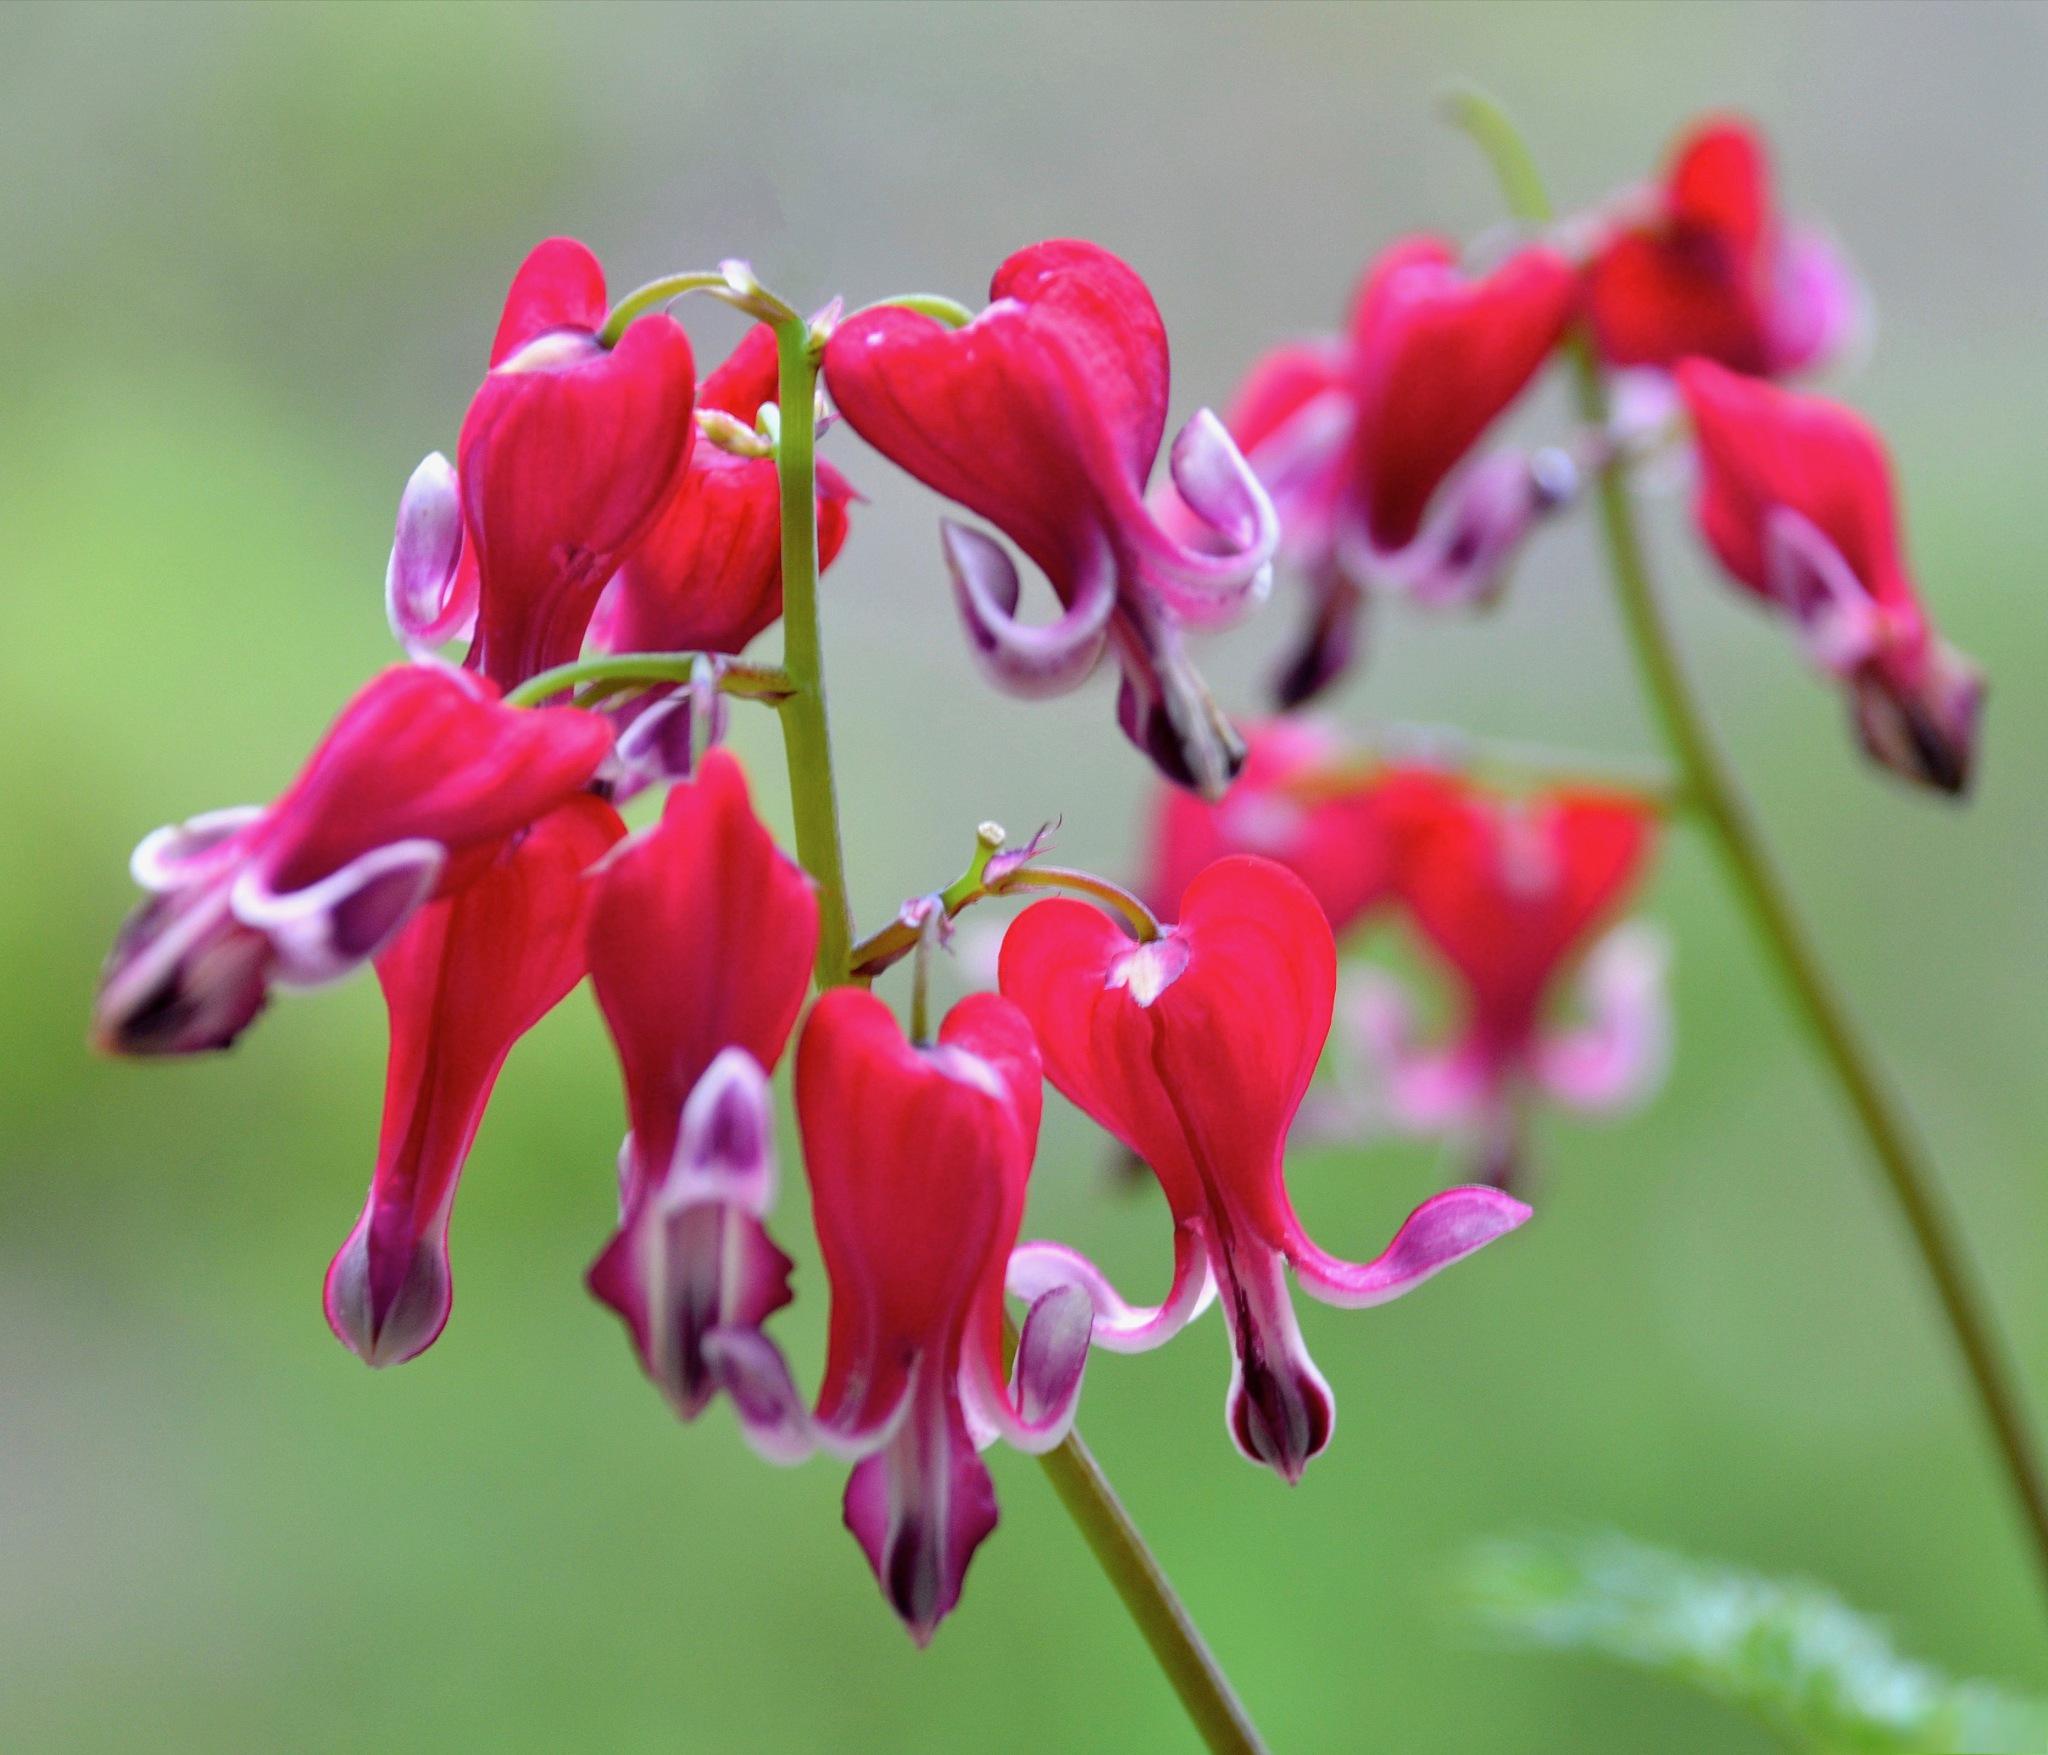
(1791, 1653)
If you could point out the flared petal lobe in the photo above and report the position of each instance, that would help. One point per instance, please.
(463, 982)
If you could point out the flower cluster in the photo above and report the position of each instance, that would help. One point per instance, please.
(612, 536)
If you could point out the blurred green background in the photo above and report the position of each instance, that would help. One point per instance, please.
(252, 259)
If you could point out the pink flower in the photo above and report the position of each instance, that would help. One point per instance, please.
(1045, 415)
(1702, 264)
(1510, 895)
(1363, 440)
(701, 941)
(1796, 501)
(569, 451)
(918, 1158)
(414, 787)
(1195, 1051)
(466, 978)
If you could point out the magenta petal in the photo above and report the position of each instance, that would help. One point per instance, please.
(183, 977)
(1444, 1229)
(387, 1297)
(427, 595)
(920, 1509)
(1476, 526)
(192, 851)
(1210, 589)
(1421, 1090)
(691, 1255)
(750, 1368)
(1280, 1410)
(1038, 1269)
(1019, 658)
(323, 931)
(1840, 624)
(1036, 1410)
(1818, 311)
(1617, 1057)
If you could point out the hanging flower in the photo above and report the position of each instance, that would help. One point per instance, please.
(1045, 415)
(569, 451)
(1335, 842)
(416, 783)
(1796, 502)
(701, 940)
(1702, 263)
(918, 1156)
(467, 977)
(1195, 1050)
(1513, 896)
(1363, 441)
(707, 575)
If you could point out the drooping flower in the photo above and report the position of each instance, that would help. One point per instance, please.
(1195, 1051)
(420, 777)
(1702, 264)
(467, 977)
(569, 451)
(918, 1157)
(1513, 896)
(1796, 502)
(707, 575)
(1045, 415)
(1363, 440)
(701, 940)
(1335, 843)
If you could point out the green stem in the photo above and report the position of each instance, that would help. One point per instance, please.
(1177, 1645)
(653, 296)
(1146, 1592)
(599, 677)
(807, 739)
(1752, 873)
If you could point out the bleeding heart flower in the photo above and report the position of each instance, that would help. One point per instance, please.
(467, 977)
(421, 777)
(707, 575)
(569, 451)
(1335, 842)
(1796, 501)
(1701, 264)
(1363, 440)
(918, 1158)
(1195, 1051)
(1045, 415)
(701, 940)
(1510, 894)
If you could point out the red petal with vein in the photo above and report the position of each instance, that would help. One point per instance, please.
(701, 938)
(463, 982)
